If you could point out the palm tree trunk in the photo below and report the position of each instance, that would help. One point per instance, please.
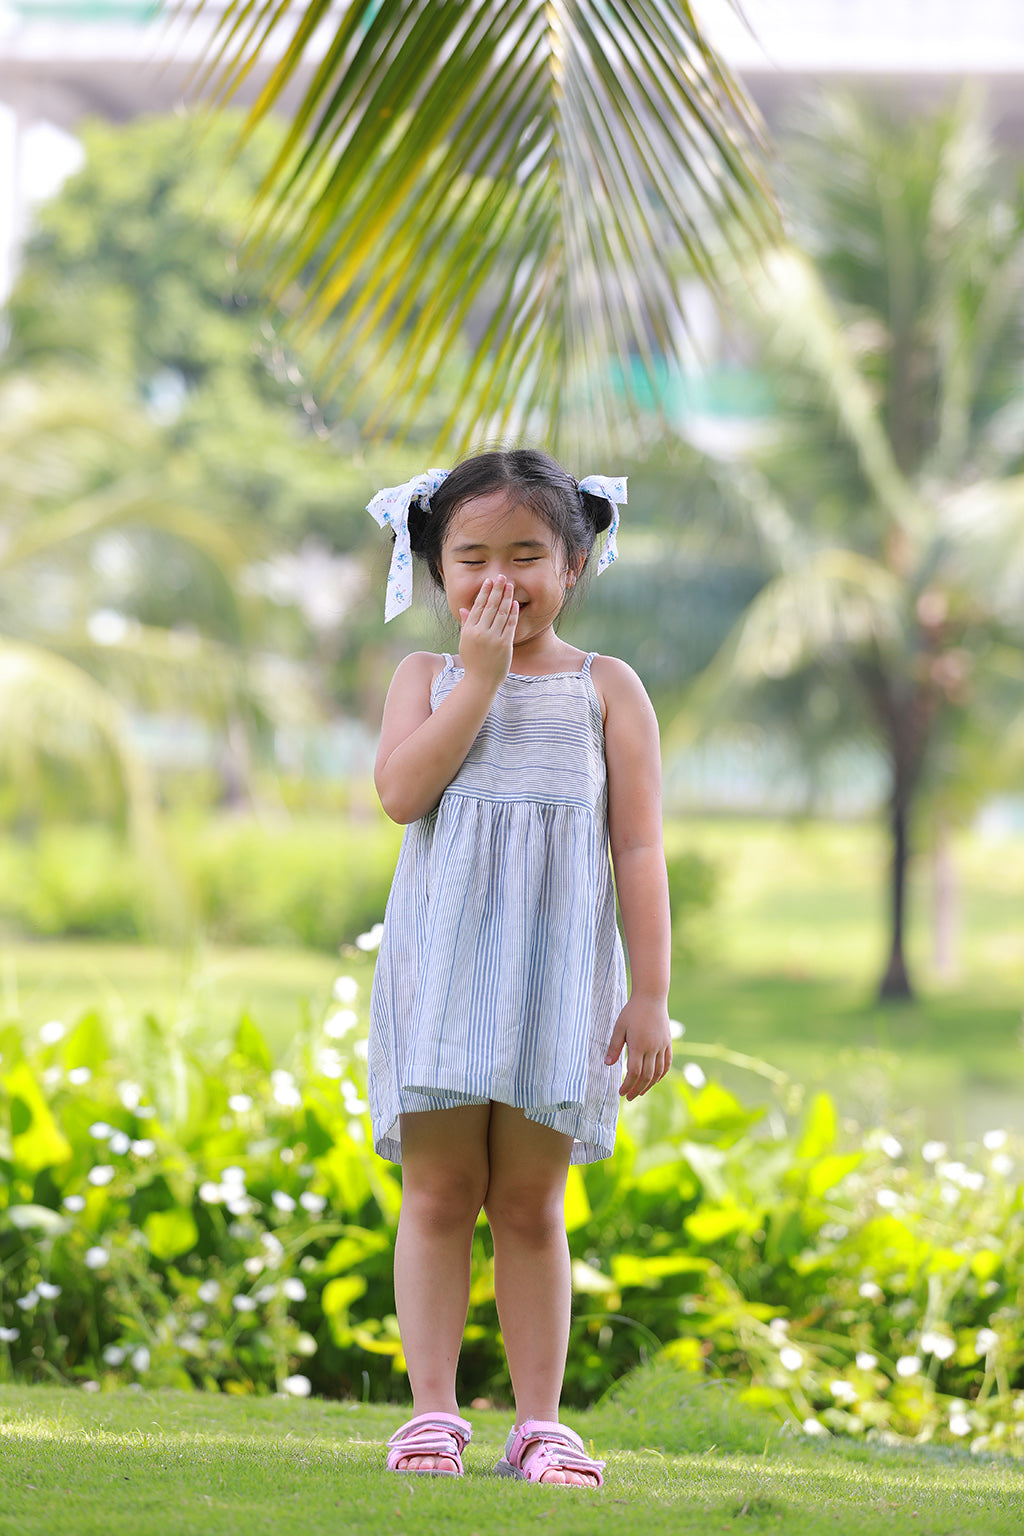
(896, 982)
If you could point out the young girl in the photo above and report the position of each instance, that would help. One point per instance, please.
(499, 1009)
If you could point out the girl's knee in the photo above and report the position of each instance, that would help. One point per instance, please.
(445, 1201)
(528, 1215)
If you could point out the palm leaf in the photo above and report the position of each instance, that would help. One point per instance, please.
(543, 174)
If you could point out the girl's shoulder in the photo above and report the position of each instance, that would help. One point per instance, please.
(617, 686)
(421, 667)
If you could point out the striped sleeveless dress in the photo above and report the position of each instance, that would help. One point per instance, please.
(501, 973)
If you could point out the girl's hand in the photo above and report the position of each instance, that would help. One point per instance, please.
(643, 1028)
(488, 629)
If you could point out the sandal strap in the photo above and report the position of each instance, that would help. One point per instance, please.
(429, 1430)
(559, 1447)
(431, 1434)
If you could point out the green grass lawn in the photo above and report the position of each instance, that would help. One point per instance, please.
(789, 959)
(170, 1464)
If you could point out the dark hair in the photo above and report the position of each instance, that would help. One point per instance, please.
(530, 479)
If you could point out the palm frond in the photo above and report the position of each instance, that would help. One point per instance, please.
(539, 175)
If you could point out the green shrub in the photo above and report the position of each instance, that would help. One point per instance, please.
(226, 1224)
(312, 883)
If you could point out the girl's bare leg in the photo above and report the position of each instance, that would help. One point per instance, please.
(444, 1179)
(525, 1205)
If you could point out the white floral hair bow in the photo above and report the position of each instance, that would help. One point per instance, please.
(614, 493)
(390, 508)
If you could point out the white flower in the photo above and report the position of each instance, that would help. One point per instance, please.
(233, 1175)
(243, 1303)
(298, 1386)
(140, 1359)
(100, 1130)
(272, 1246)
(866, 1361)
(283, 1087)
(694, 1075)
(101, 1174)
(74, 1203)
(130, 1094)
(282, 1202)
(240, 1103)
(891, 1147)
(954, 1172)
(938, 1344)
(370, 941)
(908, 1365)
(843, 1391)
(994, 1140)
(8, 1335)
(90, 1386)
(294, 1289)
(888, 1199)
(675, 1029)
(791, 1357)
(1002, 1164)
(933, 1150)
(209, 1291)
(338, 1023)
(265, 1294)
(959, 1423)
(345, 989)
(47, 1291)
(986, 1341)
(144, 1147)
(353, 1103)
(329, 1063)
(114, 1355)
(119, 1143)
(870, 1291)
(360, 1049)
(28, 1301)
(254, 1265)
(52, 1031)
(190, 1342)
(813, 1426)
(95, 1258)
(210, 1193)
(312, 1203)
(79, 1075)
(243, 1206)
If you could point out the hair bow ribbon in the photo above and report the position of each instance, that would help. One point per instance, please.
(390, 508)
(614, 492)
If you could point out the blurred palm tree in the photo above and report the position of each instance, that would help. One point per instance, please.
(88, 540)
(500, 197)
(886, 504)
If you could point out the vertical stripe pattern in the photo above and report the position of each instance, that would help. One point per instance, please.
(500, 973)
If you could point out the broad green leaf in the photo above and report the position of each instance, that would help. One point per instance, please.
(820, 1127)
(709, 1224)
(577, 1205)
(250, 1044)
(170, 1233)
(40, 1143)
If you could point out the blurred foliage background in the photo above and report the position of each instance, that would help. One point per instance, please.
(821, 583)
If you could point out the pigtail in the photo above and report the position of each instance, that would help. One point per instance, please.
(597, 510)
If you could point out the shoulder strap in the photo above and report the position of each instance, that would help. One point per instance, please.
(585, 669)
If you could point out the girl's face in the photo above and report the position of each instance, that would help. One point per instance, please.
(488, 537)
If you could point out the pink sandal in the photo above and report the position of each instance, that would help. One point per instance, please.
(559, 1449)
(430, 1434)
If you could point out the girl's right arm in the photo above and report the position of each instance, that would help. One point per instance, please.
(421, 750)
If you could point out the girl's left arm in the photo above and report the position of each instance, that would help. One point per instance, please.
(633, 755)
